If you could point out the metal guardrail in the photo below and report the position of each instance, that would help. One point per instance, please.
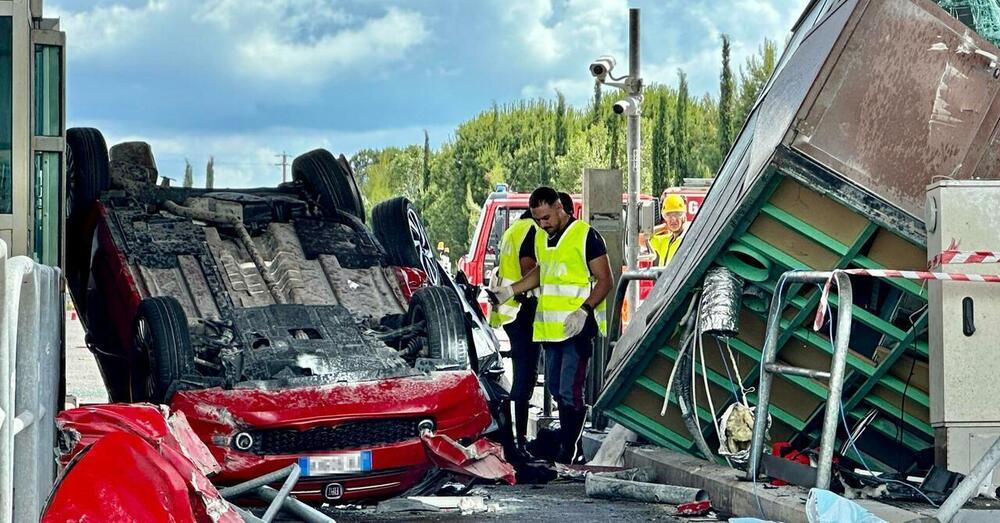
(835, 376)
(31, 318)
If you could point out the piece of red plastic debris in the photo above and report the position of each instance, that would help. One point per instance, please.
(695, 508)
(132, 463)
(483, 459)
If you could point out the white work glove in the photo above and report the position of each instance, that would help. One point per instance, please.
(502, 295)
(574, 322)
(494, 279)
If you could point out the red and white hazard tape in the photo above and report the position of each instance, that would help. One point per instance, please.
(953, 255)
(909, 275)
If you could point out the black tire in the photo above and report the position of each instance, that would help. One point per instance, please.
(442, 313)
(162, 352)
(87, 173)
(87, 176)
(399, 229)
(331, 181)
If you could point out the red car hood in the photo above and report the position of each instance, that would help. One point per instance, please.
(452, 398)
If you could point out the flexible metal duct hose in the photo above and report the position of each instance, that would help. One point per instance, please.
(720, 303)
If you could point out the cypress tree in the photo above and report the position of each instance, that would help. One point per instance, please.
(210, 173)
(426, 175)
(560, 124)
(726, 90)
(658, 146)
(188, 175)
(681, 152)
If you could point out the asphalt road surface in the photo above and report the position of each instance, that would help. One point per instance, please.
(83, 378)
(557, 501)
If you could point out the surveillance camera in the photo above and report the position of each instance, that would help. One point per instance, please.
(601, 67)
(627, 106)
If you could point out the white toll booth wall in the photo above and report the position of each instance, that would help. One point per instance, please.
(964, 326)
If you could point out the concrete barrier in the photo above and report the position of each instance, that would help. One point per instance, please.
(30, 355)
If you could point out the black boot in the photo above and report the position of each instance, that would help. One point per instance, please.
(521, 422)
(521, 454)
(569, 433)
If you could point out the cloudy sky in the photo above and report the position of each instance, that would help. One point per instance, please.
(244, 80)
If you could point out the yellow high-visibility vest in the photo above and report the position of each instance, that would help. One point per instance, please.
(510, 268)
(564, 282)
(665, 245)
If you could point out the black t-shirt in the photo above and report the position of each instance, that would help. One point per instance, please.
(595, 247)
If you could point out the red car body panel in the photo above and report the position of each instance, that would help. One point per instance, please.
(118, 285)
(454, 400)
(131, 463)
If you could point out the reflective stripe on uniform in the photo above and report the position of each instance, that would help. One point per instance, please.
(509, 269)
(564, 282)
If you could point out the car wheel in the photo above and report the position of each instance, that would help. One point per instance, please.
(162, 352)
(331, 181)
(440, 310)
(398, 227)
(87, 174)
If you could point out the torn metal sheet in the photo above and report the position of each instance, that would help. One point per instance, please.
(483, 459)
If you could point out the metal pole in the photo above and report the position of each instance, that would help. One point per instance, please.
(970, 485)
(634, 148)
(831, 415)
(836, 384)
(294, 506)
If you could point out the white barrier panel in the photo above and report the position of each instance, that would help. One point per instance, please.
(30, 356)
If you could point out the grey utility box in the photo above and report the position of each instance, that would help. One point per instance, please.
(602, 209)
(964, 325)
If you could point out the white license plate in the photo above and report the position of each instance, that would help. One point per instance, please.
(343, 463)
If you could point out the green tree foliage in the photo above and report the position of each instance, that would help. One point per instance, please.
(560, 125)
(726, 88)
(658, 147)
(680, 152)
(532, 142)
(753, 76)
(210, 173)
(188, 175)
(425, 175)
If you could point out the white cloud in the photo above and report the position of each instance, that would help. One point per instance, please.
(578, 90)
(270, 53)
(293, 42)
(546, 35)
(250, 159)
(105, 28)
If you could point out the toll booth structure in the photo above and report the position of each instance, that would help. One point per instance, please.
(870, 101)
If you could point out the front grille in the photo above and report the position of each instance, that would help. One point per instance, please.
(350, 435)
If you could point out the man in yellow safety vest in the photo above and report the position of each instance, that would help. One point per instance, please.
(668, 235)
(516, 316)
(573, 278)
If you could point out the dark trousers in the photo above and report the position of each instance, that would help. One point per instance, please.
(566, 370)
(524, 352)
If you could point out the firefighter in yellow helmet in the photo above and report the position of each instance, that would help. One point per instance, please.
(668, 235)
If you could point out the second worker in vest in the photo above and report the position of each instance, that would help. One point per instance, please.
(667, 236)
(573, 277)
(516, 315)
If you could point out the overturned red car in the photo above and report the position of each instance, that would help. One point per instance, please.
(281, 325)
